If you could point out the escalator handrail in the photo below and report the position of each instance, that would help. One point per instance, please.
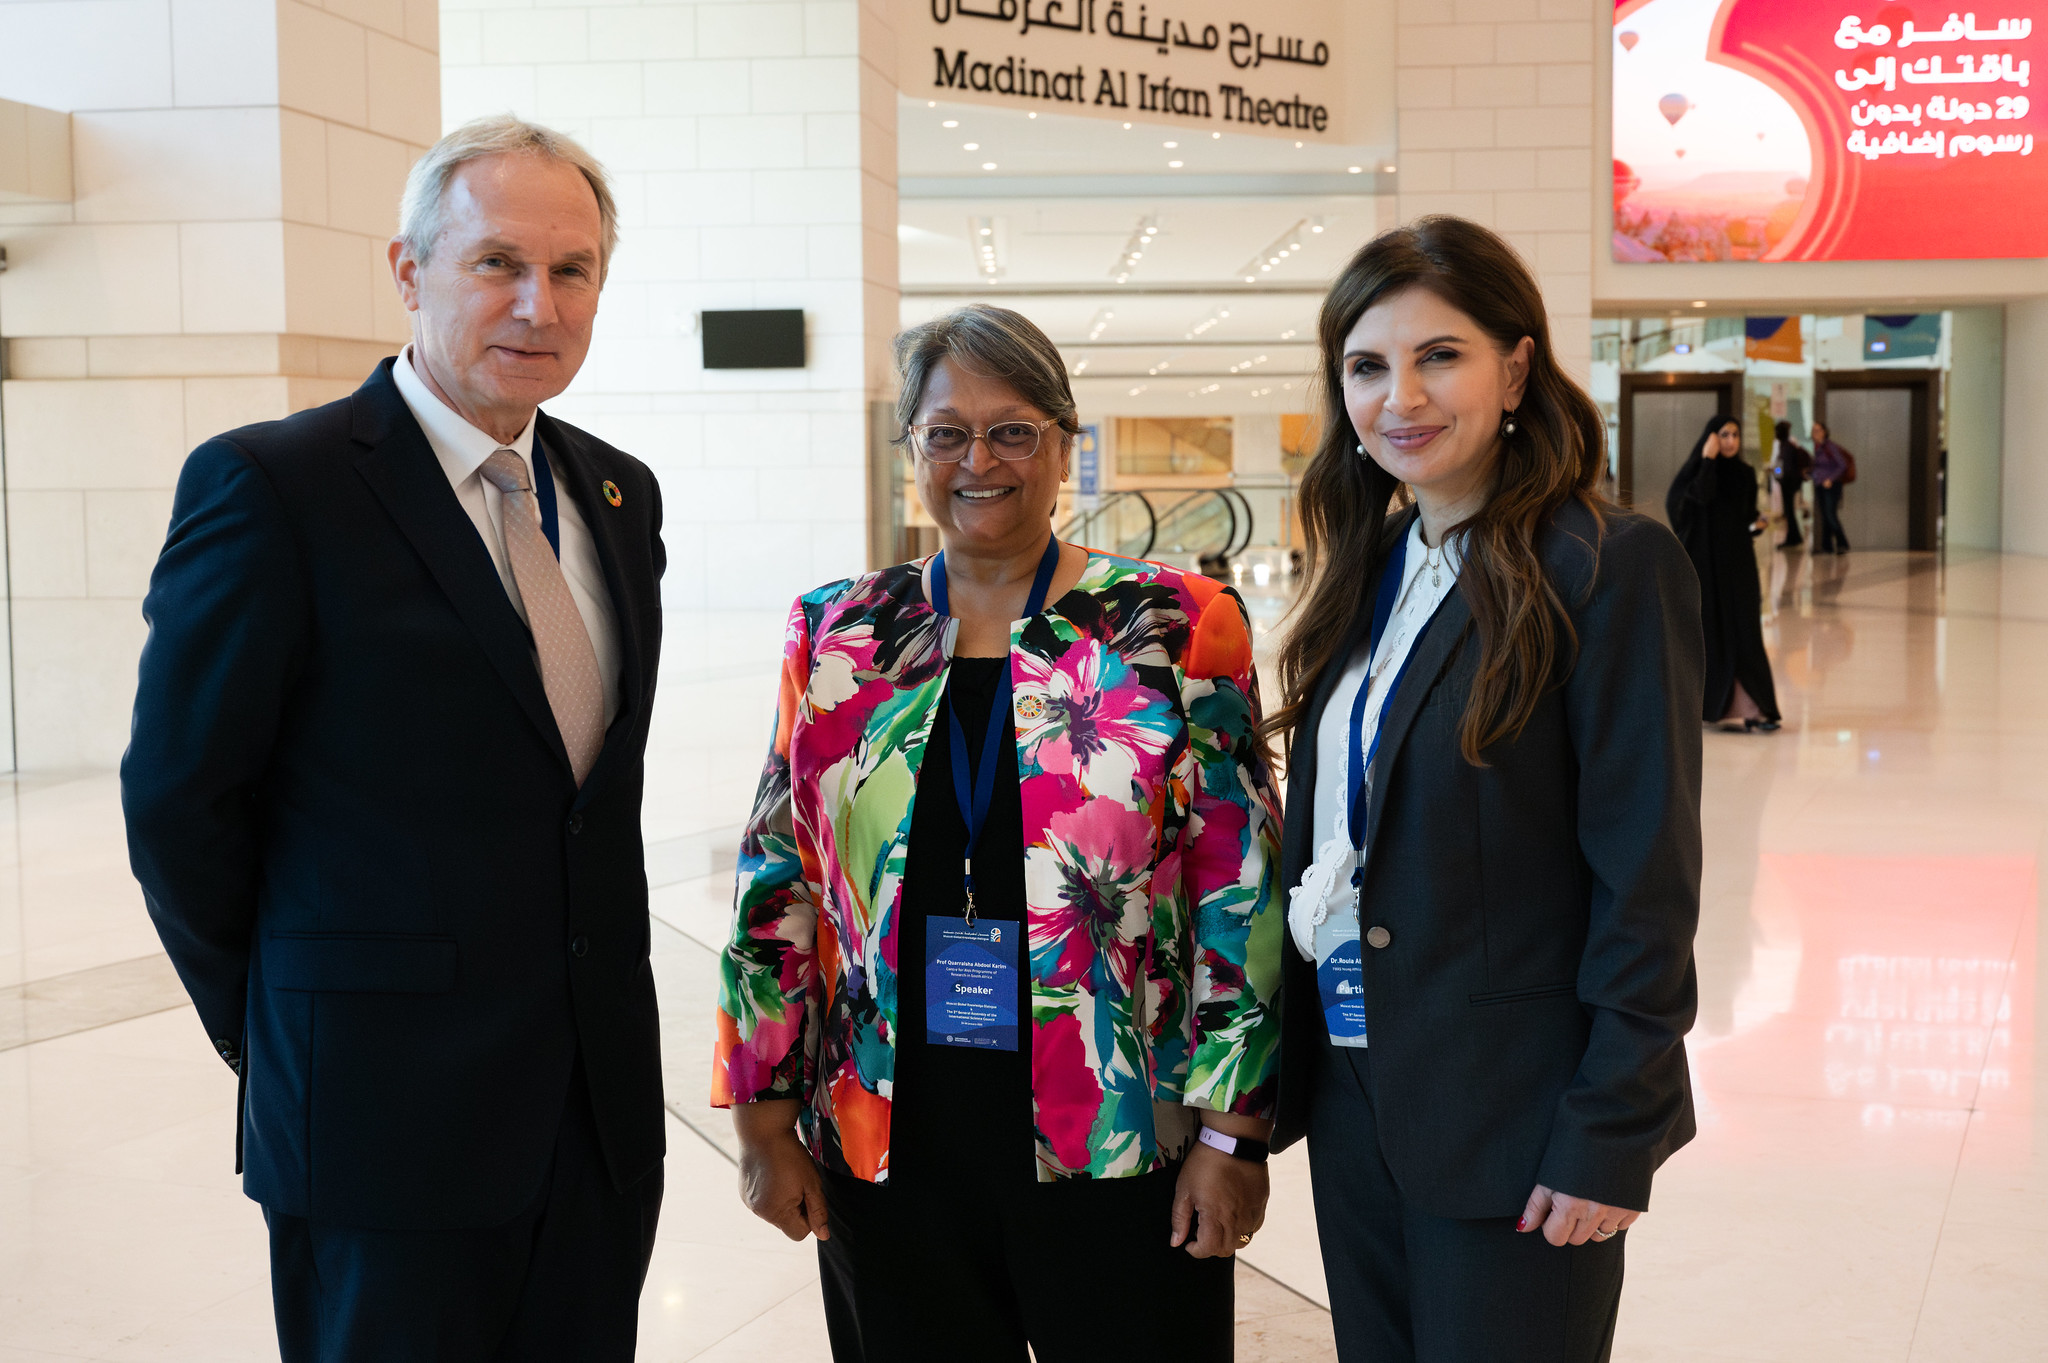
(1079, 518)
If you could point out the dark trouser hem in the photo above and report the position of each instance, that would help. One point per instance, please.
(1408, 1287)
(560, 1281)
(955, 1268)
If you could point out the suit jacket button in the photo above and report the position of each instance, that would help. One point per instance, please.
(575, 823)
(1378, 937)
(579, 946)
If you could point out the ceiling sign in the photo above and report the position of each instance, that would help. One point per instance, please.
(1846, 130)
(1270, 69)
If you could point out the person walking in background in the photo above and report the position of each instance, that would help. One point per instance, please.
(1712, 507)
(1789, 463)
(1834, 468)
(1493, 840)
(996, 1015)
(383, 797)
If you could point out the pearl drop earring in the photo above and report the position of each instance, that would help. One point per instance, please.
(1361, 447)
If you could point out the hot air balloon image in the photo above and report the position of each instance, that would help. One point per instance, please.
(1673, 107)
(1629, 41)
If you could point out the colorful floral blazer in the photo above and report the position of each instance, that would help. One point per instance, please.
(1154, 923)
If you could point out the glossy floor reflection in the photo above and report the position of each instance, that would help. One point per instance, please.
(1870, 1180)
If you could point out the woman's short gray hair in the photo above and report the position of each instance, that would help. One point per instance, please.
(994, 343)
(426, 187)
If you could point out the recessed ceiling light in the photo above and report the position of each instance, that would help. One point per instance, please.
(1297, 144)
(950, 123)
(1034, 115)
(1316, 228)
(1355, 170)
(970, 146)
(985, 231)
(1169, 145)
(988, 165)
(1127, 127)
(931, 104)
(1699, 302)
(1215, 137)
(1175, 165)
(1247, 279)
(1388, 169)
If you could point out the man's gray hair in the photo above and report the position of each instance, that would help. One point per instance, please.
(426, 187)
(994, 343)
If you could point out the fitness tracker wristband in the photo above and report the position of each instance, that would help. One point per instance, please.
(1243, 1147)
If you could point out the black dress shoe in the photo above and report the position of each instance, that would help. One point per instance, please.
(1760, 726)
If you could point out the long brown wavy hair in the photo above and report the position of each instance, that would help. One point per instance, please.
(1526, 641)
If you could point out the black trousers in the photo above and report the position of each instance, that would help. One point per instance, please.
(1828, 501)
(1408, 1287)
(959, 1269)
(560, 1281)
(1789, 495)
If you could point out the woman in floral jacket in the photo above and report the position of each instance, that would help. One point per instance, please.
(949, 1160)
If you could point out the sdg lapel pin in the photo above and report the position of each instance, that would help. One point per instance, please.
(611, 492)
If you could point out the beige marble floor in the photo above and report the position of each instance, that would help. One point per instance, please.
(1870, 1181)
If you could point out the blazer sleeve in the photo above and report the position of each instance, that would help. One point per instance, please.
(1230, 863)
(1632, 705)
(228, 626)
(769, 968)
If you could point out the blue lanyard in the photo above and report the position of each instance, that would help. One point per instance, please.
(1362, 756)
(974, 807)
(544, 492)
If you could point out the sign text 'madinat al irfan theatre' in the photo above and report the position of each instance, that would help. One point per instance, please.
(1189, 64)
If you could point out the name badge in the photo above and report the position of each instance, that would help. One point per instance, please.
(970, 982)
(1340, 973)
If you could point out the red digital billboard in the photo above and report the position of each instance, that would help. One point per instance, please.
(1791, 130)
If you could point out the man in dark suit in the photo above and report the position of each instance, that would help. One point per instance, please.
(383, 797)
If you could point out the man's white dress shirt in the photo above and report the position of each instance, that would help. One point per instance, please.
(462, 449)
(1427, 577)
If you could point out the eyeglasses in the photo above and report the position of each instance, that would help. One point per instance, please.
(945, 443)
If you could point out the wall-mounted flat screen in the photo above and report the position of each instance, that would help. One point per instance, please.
(763, 338)
(1846, 130)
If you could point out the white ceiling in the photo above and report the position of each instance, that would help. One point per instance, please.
(1183, 329)
(1061, 144)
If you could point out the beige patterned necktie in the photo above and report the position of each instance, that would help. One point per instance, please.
(568, 663)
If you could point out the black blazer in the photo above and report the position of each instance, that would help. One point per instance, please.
(356, 827)
(1527, 1016)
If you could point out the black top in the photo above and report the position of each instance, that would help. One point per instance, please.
(1529, 999)
(959, 1109)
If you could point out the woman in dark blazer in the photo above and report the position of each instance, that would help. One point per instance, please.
(1490, 972)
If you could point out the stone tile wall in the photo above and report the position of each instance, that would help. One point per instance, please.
(236, 167)
(1497, 124)
(754, 144)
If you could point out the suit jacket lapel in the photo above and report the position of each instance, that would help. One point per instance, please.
(1297, 835)
(1432, 652)
(580, 481)
(401, 470)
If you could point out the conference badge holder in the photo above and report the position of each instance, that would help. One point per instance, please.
(970, 973)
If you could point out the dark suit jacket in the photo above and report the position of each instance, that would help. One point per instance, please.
(357, 830)
(1527, 1017)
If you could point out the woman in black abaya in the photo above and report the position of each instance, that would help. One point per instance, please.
(1712, 508)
